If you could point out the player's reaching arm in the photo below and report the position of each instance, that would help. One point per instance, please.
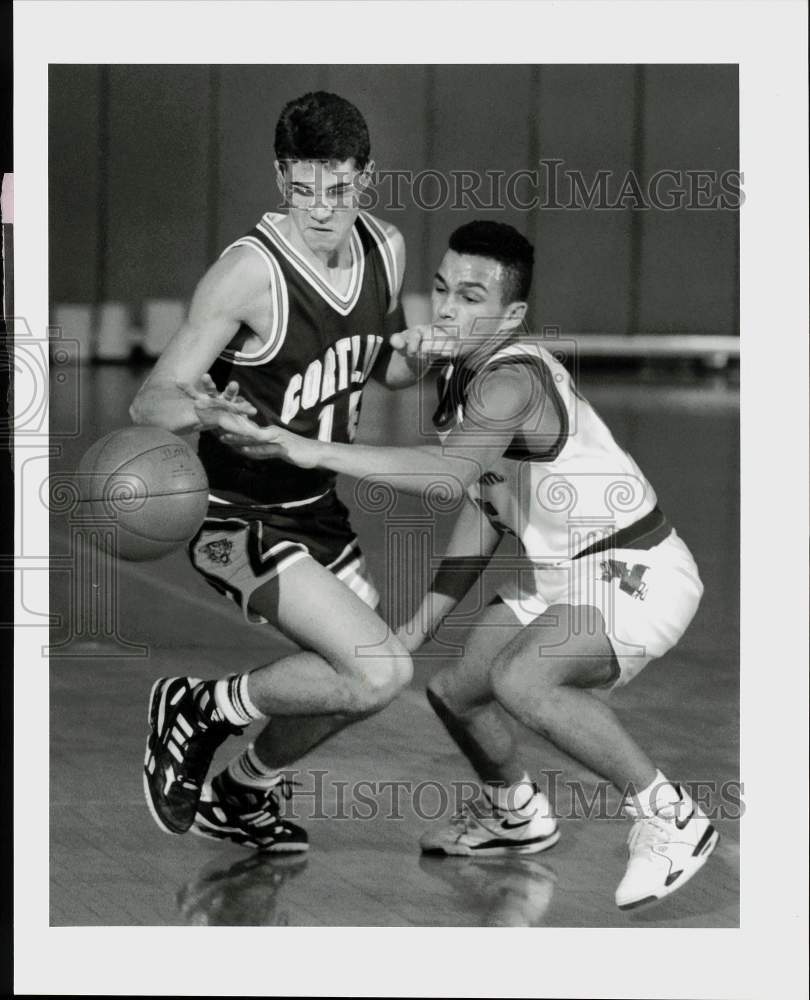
(499, 404)
(408, 354)
(402, 361)
(472, 542)
(232, 292)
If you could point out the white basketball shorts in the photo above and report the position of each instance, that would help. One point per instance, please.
(647, 597)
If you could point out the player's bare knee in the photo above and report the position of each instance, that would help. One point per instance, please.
(383, 678)
(373, 694)
(508, 686)
(398, 664)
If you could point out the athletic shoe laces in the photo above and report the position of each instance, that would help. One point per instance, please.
(269, 801)
(472, 816)
(647, 832)
(284, 788)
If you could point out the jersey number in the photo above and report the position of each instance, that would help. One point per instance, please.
(326, 419)
(489, 510)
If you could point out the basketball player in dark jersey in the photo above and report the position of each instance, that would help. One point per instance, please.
(286, 327)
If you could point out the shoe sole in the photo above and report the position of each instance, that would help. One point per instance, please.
(687, 873)
(463, 851)
(237, 836)
(155, 717)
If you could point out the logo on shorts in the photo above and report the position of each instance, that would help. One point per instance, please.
(629, 577)
(218, 551)
(491, 478)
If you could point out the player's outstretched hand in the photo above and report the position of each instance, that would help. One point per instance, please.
(274, 442)
(424, 343)
(223, 411)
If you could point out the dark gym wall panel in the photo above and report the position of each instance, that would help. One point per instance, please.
(688, 273)
(73, 181)
(251, 99)
(479, 121)
(393, 100)
(583, 256)
(157, 184)
(188, 157)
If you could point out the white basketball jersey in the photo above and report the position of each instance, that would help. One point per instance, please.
(558, 493)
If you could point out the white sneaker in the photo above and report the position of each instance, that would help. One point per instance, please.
(486, 832)
(666, 848)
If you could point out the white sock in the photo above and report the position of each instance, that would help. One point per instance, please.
(247, 769)
(513, 798)
(233, 701)
(659, 793)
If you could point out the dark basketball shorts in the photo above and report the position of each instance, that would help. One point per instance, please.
(240, 548)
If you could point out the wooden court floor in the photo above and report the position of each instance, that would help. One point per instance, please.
(109, 863)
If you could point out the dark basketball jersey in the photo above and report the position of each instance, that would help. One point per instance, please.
(309, 374)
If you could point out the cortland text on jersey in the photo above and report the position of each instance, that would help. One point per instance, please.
(349, 361)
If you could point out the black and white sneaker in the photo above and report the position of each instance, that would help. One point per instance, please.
(251, 819)
(484, 831)
(183, 738)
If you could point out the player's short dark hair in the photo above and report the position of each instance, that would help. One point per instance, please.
(322, 126)
(500, 242)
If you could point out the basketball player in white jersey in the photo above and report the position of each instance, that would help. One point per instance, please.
(287, 326)
(603, 583)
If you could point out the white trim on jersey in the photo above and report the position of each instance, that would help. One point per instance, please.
(340, 303)
(389, 258)
(279, 309)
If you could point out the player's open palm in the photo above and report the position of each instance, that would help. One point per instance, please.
(226, 411)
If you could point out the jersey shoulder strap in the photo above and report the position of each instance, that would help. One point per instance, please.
(257, 241)
(383, 242)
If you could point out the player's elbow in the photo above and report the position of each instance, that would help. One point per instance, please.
(154, 407)
(142, 410)
(137, 410)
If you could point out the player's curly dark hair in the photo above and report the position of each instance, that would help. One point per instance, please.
(322, 126)
(498, 241)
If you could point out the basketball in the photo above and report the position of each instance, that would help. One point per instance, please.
(147, 484)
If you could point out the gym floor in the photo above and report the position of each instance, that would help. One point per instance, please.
(110, 864)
